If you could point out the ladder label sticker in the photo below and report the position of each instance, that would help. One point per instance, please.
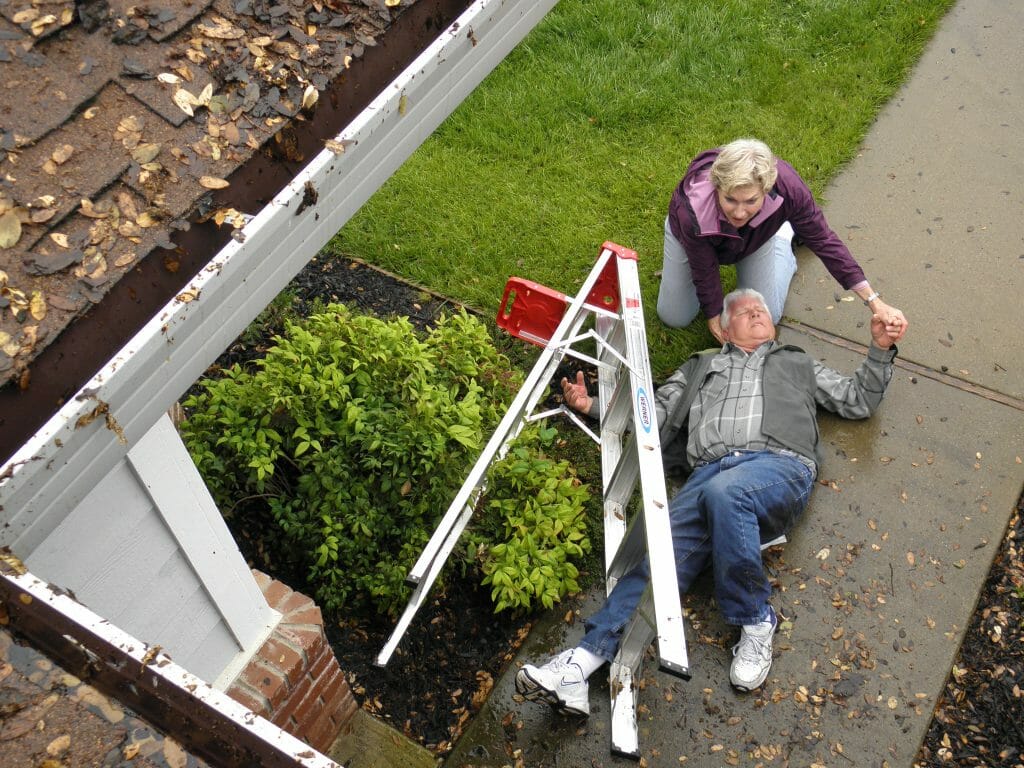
(643, 406)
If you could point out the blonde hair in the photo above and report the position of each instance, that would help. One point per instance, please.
(742, 163)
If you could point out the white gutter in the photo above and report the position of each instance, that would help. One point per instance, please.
(52, 472)
(143, 676)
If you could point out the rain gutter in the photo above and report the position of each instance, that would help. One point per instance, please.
(52, 472)
(206, 721)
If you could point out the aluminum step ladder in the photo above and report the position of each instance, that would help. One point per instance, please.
(630, 450)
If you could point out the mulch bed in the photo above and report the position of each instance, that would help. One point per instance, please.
(980, 718)
(456, 648)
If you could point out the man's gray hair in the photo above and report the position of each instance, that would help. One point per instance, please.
(732, 297)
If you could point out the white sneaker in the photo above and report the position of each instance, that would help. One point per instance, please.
(752, 655)
(560, 683)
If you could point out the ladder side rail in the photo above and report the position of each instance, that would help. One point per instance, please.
(625, 740)
(660, 552)
(524, 402)
(422, 590)
(632, 548)
(625, 669)
(459, 513)
(447, 534)
(612, 426)
(614, 421)
(511, 423)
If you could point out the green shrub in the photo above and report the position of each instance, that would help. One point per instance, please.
(353, 434)
(535, 509)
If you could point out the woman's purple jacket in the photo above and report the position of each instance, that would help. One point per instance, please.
(710, 240)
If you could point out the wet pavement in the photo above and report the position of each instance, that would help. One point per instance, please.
(878, 584)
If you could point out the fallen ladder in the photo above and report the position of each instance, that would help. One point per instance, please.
(630, 450)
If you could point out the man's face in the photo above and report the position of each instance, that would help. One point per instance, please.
(750, 325)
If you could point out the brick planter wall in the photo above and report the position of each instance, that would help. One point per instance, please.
(294, 679)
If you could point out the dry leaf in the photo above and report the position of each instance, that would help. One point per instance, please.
(91, 112)
(88, 209)
(10, 229)
(185, 101)
(309, 97)
(25, 16)
(203, 99)
(221, 29)
(60, 239)
(392, 3)
(910, 559)
(167, 77)
(39, 25)
(145, 153)
(62, 154)
(337, 147)
(174, 755)
(210, 182)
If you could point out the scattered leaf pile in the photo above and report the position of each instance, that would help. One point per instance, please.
(126, 122)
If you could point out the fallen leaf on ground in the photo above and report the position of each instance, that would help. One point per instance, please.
(211, 182)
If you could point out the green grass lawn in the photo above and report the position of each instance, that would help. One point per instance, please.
(582, 133)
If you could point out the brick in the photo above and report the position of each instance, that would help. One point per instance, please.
(249, 698)
(296, 602)
(262, 580)
(267, 681)
(308, 639)
(322, 734)
(276, 593)
(284, 658)
(347, 710)
(332, 689)
(322, 664)
(309, 711)
(290, 708)
(311, 614)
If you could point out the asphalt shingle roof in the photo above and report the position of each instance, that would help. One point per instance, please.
(133, 139)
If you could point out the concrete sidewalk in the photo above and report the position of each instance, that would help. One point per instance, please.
(879, 582)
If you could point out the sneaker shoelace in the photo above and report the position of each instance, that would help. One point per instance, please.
(752, 647)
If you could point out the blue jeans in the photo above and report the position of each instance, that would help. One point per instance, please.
(721, 515)
(768, 270)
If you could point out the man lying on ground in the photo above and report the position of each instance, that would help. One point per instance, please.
(742, 421)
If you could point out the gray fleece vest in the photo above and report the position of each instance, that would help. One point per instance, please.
(790, 411)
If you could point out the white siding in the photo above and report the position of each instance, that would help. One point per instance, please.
(147, 549)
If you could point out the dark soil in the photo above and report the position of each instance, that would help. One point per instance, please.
(980, 718)
(456, 647)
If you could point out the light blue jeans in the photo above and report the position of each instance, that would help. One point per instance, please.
(769, 270)
(720, 516)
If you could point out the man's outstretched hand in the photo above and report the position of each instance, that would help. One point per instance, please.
(575, 394)
(884, 334)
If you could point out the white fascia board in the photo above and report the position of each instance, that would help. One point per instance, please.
(54, 470)
(112, 649)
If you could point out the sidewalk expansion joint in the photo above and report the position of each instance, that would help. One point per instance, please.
(915, 368)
